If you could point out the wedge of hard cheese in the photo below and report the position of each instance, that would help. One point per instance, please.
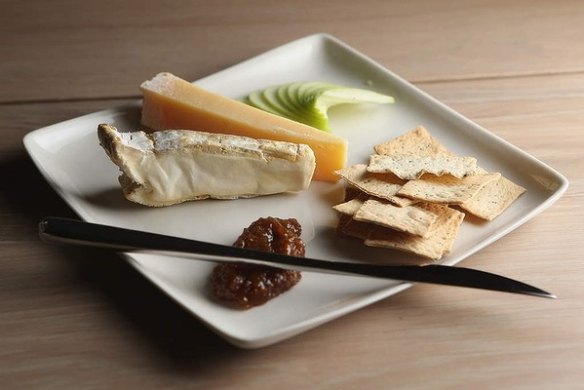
(168, 167)
(173, 103)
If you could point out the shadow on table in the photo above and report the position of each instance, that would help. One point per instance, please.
(173, 335)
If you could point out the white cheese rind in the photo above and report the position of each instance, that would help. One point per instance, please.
(173, 166)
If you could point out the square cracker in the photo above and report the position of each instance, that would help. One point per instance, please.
(349, 227)
(446, 189)
(409, 167)
(418, 142)
(493, 199)
(411, 219)
(349, 207)
(437, 244)
(384, 187)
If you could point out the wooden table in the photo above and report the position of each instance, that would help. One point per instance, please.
(78, 318)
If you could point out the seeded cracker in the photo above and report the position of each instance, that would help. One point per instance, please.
(350, 207)
(420, 169)
(361, 230)
(352, 192)
(446, 189)
(418, 142)
(411, 219)
(438, 243)
(410, 167)
(384, 188)
(493, 199)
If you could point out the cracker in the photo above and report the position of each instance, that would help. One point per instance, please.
(352, 192)
(446, 189)
(493, 199)
(350, 207)
(409, 167)
(385, 187)
(419, 174)
(343, 220)
(438, 243)
(418, 142)
(357, 229)
(411, 219)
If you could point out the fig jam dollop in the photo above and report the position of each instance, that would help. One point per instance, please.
(248, 285)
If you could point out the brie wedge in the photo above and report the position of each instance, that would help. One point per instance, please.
(173, 166)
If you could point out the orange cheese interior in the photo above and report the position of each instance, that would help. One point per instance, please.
(173, 103)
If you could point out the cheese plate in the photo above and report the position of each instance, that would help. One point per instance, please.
(69, 156)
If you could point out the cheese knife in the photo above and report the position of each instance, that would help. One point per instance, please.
(69, 231)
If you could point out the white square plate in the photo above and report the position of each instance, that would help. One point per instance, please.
(69, 156)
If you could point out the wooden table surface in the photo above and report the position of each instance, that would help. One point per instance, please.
(78, 318)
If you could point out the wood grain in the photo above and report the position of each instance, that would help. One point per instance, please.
(70, 50)
(77, 318)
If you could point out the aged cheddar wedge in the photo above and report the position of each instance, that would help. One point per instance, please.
(173, 166)
(173, 103)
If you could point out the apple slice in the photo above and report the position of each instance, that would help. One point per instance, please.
(309, 102)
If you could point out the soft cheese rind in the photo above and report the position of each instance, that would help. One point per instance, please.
(173, 166)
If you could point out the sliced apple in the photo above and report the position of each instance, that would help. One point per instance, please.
(309, 102)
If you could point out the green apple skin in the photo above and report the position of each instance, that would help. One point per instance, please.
(309, 102)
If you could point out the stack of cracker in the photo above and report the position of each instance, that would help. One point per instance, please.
(413, 195)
